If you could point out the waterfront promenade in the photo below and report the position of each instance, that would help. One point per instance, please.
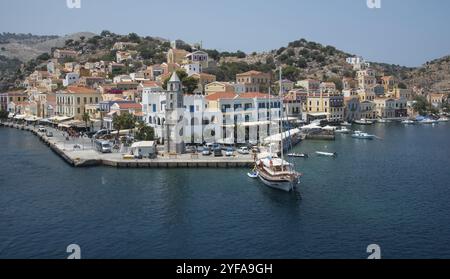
(79, 152)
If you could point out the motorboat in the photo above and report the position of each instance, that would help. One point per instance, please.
(443, 119)
(384, 120)
(364, 122)
(408, 122)
(298, 155)
(326, 154)
(253, 174)
(343, 130)
(346, 124)
(362, 135)
(428, 121)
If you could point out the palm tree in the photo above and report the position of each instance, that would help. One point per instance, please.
(86, 118)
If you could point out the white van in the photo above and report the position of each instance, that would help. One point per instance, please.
(103, 146)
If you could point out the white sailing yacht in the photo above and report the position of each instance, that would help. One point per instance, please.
(274, 171)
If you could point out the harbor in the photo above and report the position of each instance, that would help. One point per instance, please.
(363, 193)
(80, 152)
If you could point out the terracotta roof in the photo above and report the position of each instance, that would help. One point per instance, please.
(221, 95)
(204, 75)
(80, 90)
(129, 106)
(250, 73)
(151, 84)
(252, 95)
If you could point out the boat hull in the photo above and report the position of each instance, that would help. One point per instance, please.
(286, 185)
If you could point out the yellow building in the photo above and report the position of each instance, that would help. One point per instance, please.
(366, 95)
(218, 86)
(72, 102)
(176, 56)
(389, 83)
(254, 81)
(327, 104)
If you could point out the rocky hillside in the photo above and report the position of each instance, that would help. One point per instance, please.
(299, 59)
(26, 47)
(433, 76)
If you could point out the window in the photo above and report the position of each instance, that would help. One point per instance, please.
(154, 107)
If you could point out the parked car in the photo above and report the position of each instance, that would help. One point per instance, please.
(243, 150)
(42, 129)
(206, 152)
(49, 134)
(229, 152)
(218, 152)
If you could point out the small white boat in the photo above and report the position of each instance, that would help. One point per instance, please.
(384, 121)
(362, 135)
(443, 119)
(346, 124)
(428, 121)
(327, 154)
(298, 155)
(253, 174)
(408, 122)
(343, 130)
(364, 122)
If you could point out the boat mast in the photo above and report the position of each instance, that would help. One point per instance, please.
(270, 119)
(281, 120)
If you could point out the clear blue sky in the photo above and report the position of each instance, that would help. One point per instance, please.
(405, 32)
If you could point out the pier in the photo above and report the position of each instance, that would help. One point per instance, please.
(86, 156)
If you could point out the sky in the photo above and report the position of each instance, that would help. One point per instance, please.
(403, 32)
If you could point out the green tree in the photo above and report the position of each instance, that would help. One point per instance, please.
(133, 37)
(86, 118)
(420, 105)
(189, 83)
(3, 115)
(290, 73)
(124, 121)
(145, 133)
(402, 85)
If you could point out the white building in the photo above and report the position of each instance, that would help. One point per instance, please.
(192, 68)
(200, 57)
(71, 78)
(358, 63)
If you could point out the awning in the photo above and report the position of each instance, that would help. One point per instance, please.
(20, 117)
(311, 127)
(277, 137)
(32, 118)
(329, 128)
(258, 123)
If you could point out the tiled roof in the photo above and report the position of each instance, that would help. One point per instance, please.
(221, 95)
(80, 90)
(252, 95)
(250, 73)
(129, 106)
